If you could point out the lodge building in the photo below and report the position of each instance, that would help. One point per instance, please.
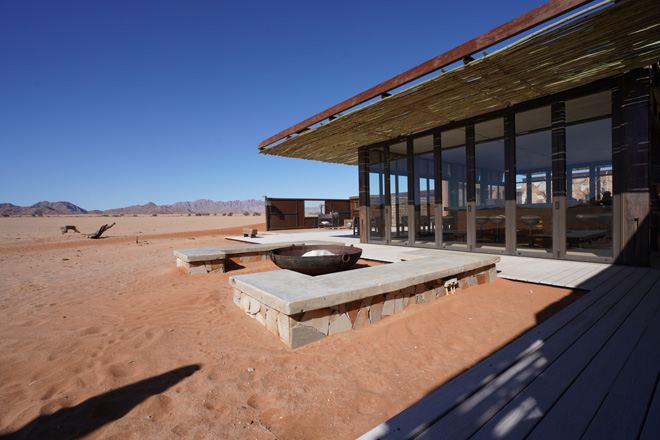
(548, 147)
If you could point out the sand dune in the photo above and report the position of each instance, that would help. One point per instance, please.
(110, 340)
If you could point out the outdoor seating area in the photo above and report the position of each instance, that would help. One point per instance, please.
(300, 309)
(579, 349)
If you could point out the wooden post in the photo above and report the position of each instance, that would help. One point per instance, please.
(558, 180)
(363, 188)
(471, 187)
(632, 125)
(437, 202)
(510, 235)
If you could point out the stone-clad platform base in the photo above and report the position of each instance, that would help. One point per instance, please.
(300, 309)
(220, 259)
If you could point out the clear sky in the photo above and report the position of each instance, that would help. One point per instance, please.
(110, 103)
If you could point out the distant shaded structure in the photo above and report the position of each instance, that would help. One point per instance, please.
(289, 213)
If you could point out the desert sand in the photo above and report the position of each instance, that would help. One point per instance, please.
(108, 339)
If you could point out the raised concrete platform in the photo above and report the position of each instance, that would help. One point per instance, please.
(300, 308)
(376, 252)
(215, 259)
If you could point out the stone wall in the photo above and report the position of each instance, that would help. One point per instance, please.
(303, 328)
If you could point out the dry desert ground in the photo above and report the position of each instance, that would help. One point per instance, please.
(107, 339)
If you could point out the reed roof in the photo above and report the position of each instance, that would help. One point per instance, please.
(600, 43)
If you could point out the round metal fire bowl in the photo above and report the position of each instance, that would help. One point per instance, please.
(291, 258)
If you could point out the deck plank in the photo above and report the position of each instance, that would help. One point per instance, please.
(496, 369)
(623, 412)
(590, 329)
(418, 417)
(583, 366)
(558, 273)
(604, 276)
(514, 262)
(586, 370)
(581, 401)
(586, 272)
(651, 430)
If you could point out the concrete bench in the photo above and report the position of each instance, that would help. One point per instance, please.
(248, 232)
(215, 259)
(300, 309)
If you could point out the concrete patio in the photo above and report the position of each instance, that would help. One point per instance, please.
(589, 372)
(568, 274)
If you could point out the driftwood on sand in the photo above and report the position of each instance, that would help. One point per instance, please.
(101, 230)
(96, 234)
(68, 228)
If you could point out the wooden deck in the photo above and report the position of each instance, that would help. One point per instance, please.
(589, 372)
(560, 273)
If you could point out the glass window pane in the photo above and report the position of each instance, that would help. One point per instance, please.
(377, 194)
(532, 120)
(454, 196)
(493, 129)
(589, 189)
(399, 196)
(399, 150)
(588, 107)
(489, 184)
(424, 190)
(534, 191)
(423, 144)
(453, 138)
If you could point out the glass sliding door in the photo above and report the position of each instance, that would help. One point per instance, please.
(589, 176)
(534, 181)
(424, 190)
(399, 191)
(377, 194)
(402, 183)
(489, 184)
(454, 189)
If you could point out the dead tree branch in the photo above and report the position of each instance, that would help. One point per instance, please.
(101, 230)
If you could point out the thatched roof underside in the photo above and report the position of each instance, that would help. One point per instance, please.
(604, 43)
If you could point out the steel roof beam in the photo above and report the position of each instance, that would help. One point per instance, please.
(535, 17)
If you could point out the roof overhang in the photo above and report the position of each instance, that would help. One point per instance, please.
(599, 42)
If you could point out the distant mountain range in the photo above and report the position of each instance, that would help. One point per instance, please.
(198, 206)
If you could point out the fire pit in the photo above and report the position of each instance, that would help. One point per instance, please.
(316, 259)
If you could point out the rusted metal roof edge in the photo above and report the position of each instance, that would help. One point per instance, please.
(535, 17)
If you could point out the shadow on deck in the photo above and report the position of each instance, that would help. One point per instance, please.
(590, 371)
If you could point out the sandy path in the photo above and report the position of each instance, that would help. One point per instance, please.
(112, 341)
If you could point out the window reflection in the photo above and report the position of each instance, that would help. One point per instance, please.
(399, 191)
(589, 184)
(424, 190)
(534, 181)
(589, 189)
(489, 181)
(377, 194)
(454, 191)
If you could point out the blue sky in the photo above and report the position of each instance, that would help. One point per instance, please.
(110, 103)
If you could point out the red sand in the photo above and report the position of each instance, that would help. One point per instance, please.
(110, 340)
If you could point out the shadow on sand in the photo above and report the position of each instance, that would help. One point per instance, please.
(88, 416)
